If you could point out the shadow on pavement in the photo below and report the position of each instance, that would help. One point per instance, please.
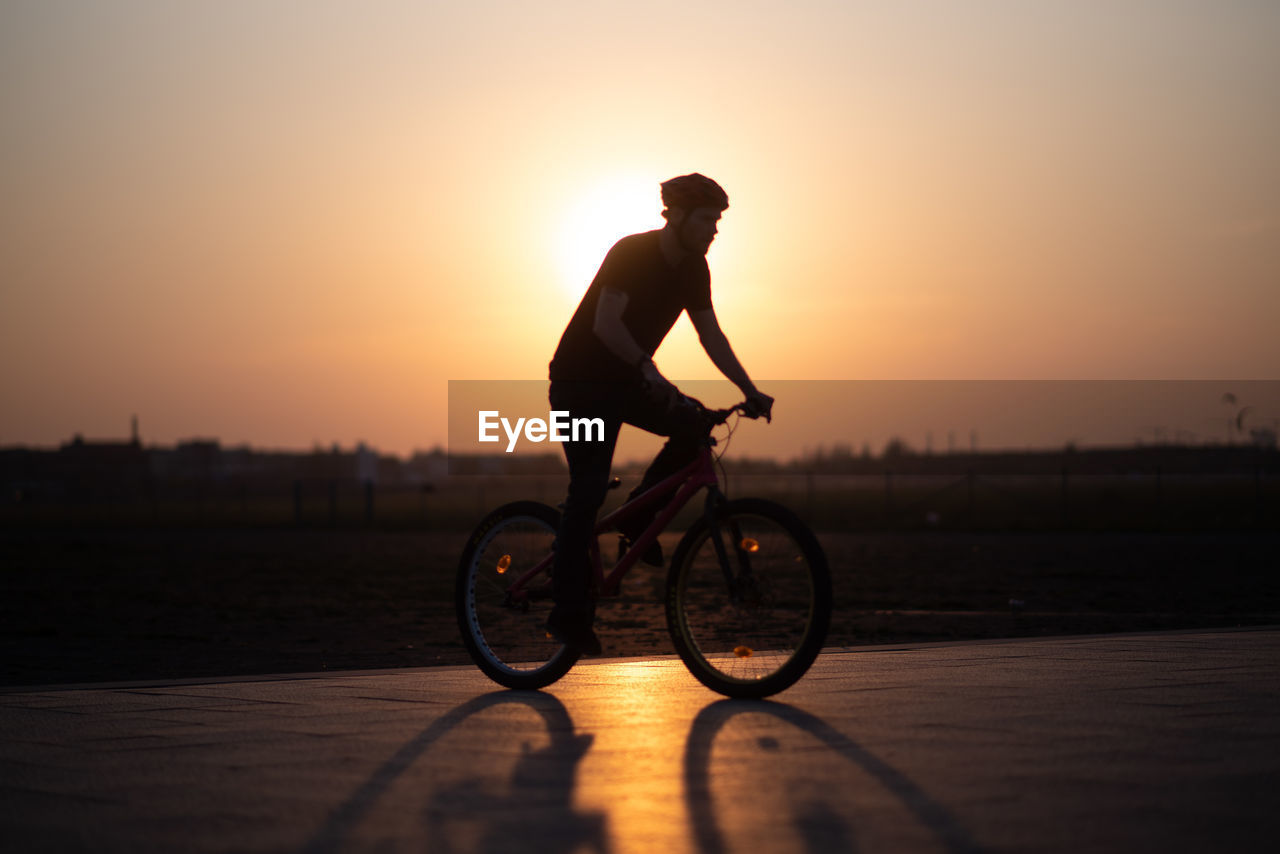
(538, 802)
(820, 827)
(537, 806)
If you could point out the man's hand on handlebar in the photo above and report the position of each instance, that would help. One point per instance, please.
(658, 385)
(758, 404)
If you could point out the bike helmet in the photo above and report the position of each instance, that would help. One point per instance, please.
(694, 191)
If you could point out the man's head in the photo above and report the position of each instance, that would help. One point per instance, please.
(693, 207)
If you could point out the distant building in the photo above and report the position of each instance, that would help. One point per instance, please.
(103, 471)
(425, 467)
(366, 464)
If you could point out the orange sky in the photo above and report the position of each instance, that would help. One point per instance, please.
(295, 222)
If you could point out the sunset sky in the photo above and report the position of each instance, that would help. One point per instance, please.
(285, 223)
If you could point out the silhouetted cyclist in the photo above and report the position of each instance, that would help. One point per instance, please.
(603, 368)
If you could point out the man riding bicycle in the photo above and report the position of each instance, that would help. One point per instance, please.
(603, 368)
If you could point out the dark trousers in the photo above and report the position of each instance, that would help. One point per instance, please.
(616, 404)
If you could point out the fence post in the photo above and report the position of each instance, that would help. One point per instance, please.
(297, 502)
(1066, 516)
(970, 478)
(1257, 495)
(333, 503)
(808, 480)
(888, 497)
(1159, 498)
(368, 502)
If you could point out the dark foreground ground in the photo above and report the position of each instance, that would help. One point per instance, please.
(1162, 742)
(152, 604)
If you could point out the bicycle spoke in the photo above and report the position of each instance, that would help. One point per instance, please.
(756, 632)
(508, 639)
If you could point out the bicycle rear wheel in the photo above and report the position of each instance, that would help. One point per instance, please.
(748, 618)
(506, 638)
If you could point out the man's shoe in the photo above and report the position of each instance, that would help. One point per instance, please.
(651, 556)
(575, 634)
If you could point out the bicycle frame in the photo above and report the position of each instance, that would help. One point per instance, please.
(696, 475)
(752, 633)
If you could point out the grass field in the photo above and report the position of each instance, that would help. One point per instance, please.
(103, 603)
(885, 502)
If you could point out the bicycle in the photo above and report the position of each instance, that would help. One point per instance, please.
(747, 616)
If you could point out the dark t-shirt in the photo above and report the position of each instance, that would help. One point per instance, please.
(656, 294)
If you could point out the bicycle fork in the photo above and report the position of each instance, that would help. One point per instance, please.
(736, 583)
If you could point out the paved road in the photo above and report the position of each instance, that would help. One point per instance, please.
(1167, 742)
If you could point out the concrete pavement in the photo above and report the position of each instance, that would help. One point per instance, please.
(1166, 742)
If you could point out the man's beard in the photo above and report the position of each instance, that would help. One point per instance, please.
(690, 244)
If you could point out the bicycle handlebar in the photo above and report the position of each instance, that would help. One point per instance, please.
(719, 416)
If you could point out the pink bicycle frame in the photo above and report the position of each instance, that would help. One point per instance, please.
(693, 477)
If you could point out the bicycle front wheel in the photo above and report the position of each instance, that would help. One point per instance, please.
(505, 635)
(749, 599)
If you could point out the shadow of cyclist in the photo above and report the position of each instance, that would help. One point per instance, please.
(537, 803)
(819, 826)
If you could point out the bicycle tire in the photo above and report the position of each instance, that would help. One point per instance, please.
(761, 640)
(509, 643)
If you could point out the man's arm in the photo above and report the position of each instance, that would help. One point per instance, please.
(721, 354)
(615, 336)
(612, 332)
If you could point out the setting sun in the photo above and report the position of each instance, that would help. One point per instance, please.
(607, 211)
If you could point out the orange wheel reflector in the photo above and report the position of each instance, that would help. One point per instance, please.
(749, 545)
(504, 563)
(742, 651)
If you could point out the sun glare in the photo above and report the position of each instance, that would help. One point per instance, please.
(610, 209)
